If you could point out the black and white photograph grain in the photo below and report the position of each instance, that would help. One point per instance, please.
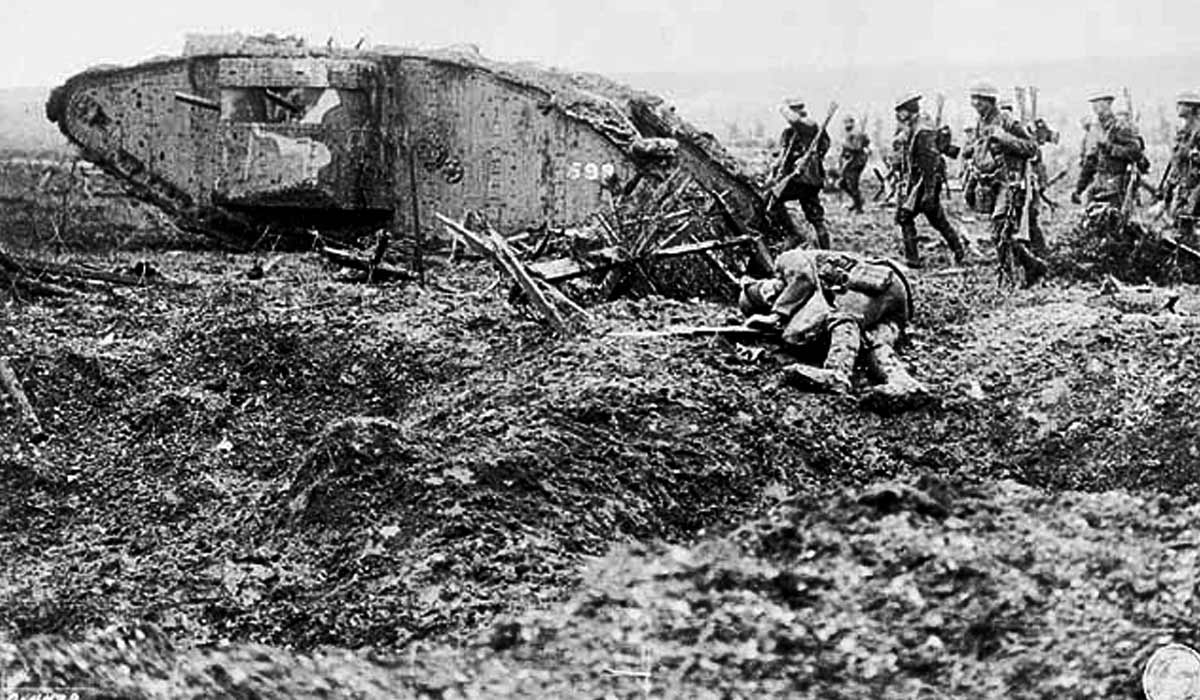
(605, 349)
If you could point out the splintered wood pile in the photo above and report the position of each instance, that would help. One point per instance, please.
(671, 237)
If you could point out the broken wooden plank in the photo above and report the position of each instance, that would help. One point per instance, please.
(517, 270)
(12, 387)
(350, 259)
(30, 267)
(715, 263)
(563, 300)
(566, 268)
(494, 247)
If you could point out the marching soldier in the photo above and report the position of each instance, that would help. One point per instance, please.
(1111, 146)
(805, 186)
(1000, 154)
(855, 150)
(921, 169)
(1183, 188)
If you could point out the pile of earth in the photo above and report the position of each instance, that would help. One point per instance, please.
(300, 462)
(900, 590)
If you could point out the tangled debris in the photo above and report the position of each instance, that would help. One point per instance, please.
(1103, 243)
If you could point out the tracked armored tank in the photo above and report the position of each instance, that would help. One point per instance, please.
(243, 137)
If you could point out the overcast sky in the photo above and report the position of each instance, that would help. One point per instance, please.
(44, 41)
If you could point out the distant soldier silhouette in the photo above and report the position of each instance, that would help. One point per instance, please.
(922, 169)
(999, 155)
(1183, 187)
(1112, 145)
(805, 187)
(856, 147)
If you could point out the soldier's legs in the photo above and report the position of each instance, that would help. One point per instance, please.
(882, 361)
(897, 389)
(1002, 231)
(1037, 237)
(781, 219)
(1002, 238)
(969, 191)
(852, 185)
(936, 216)
(845, 340)
(908, 235)
(814, 212)
(1034, 267)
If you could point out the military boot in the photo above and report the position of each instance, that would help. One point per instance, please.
(822, 232)
(898, 390)
(1035, 268)
(912, 252)
(954, 242)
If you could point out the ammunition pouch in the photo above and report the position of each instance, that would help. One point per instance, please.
(869, 279)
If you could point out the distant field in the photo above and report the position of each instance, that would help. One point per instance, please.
(24, 129)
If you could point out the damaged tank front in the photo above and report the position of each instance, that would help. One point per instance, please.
(244, 137)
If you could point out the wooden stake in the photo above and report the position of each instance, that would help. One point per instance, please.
(8, 380)
(518, 271)
(494, 248)
(418, 234)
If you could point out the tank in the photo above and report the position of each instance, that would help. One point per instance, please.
(244, 137)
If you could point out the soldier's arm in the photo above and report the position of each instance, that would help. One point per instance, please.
(1087, 172)
(1126, 145)
(1015, 140)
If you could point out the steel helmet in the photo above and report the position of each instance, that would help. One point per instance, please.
(985, 89)
(908, 100)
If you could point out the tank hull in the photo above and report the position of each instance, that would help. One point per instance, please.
(238, 138)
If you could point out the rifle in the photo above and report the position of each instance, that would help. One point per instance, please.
(1029, 174)
(787, 153)
(805, 161)
(1127, 204)
(1181, 248)
(1129, 104)
(1162, 182)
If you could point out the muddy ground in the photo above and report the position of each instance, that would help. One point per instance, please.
(245, 478)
